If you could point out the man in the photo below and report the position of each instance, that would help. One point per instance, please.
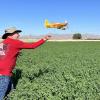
(9, 50)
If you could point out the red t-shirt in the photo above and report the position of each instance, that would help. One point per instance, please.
(9, 50)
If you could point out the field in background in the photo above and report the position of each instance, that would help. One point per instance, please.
(58, 71)
(56, 40)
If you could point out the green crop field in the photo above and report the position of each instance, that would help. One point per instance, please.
(58, 71)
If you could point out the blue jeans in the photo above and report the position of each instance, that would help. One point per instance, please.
(5, 86)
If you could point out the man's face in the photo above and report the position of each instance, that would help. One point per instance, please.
(15, 36)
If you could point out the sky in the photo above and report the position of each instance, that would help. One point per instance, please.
(83, 16)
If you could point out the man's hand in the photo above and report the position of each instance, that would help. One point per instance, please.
(47, 37)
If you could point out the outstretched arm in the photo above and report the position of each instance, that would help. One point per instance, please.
(25, 45)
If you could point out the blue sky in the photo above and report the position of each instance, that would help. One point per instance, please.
(29, 15)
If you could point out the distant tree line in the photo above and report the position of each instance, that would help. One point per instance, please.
(77, 36)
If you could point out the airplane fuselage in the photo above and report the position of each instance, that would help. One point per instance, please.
(56, 25)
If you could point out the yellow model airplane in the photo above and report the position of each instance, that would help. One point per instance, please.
(56, 25)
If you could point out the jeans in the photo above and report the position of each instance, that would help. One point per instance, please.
(5, 86)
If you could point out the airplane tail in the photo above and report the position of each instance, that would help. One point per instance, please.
(46, 23)
(66, 22)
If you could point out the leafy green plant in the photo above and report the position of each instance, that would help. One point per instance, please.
(59, 71)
